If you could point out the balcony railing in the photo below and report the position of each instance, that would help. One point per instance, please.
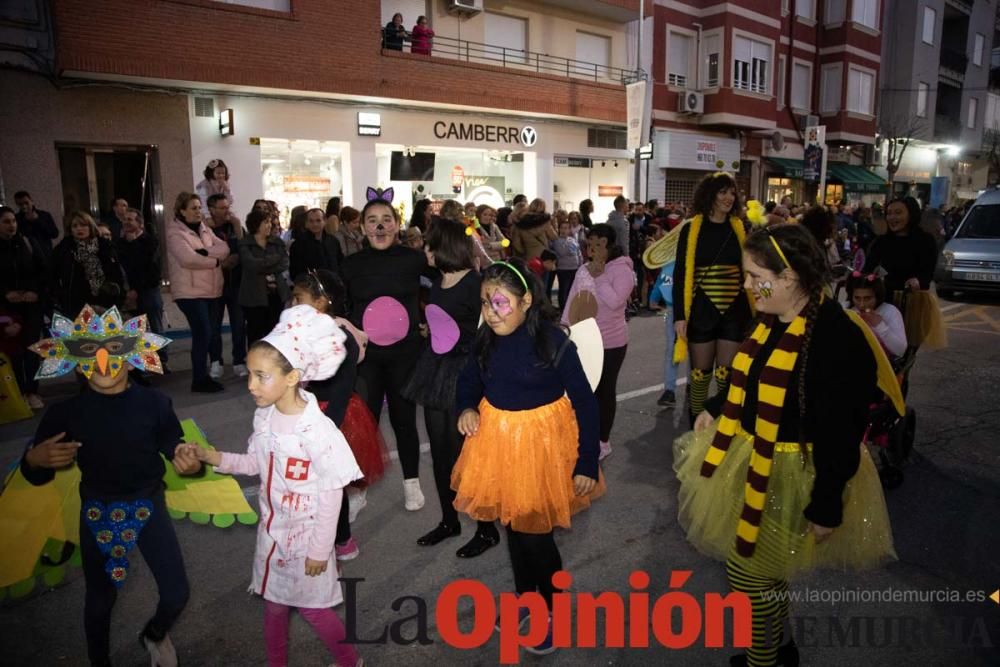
(956, 61)
(964, 5)
(519, 59)
(947, 128)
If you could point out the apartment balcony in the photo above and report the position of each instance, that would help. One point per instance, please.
(947, 129)
(961, 5)
(524, 61)
(995, 78)
(952, 65)
(991, 139)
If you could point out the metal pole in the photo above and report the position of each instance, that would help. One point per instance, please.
(638, 67)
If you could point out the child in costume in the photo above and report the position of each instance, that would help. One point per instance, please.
(531, 426)
(663, 293)
(452, 318)
(780, 484)
(304, 464)
(116, 431)
(867, 296)
(324, 291)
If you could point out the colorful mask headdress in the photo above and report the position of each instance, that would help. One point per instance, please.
(99, 342)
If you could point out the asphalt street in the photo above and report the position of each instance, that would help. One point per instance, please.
(944, 515)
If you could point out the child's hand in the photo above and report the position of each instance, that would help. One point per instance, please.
(52, 453)
(703, 421)
(424, 331)
(314, 568)
(209, 456)
(582, 485)
(185, 460)
(468, 422)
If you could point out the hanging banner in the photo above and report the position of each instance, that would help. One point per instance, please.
(635, 98)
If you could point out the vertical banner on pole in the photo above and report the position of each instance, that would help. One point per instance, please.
(814, 163)
(635, 97)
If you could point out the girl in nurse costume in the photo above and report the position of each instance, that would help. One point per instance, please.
(304, 463)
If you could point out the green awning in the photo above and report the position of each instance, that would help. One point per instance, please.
(790, 168)
(852, 177)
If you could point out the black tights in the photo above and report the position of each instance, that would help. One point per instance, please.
(446, 445)
(607, 388)
(158, 544)
(534, 558)
(343, 522)
(384, 376)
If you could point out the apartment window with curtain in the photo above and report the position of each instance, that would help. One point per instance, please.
(711, 48)
(836, 11)
(782, 64)
(805, 8)
(865, 12)
(801, 86)
(679, 59)
(831, 80)
(860, 91)
(922, 91)
(977, 50)
(970, 122)
(751, 63)
(930, 18)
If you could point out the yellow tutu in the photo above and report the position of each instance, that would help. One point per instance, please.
(709, 509)
(922, 319)
(518, 468)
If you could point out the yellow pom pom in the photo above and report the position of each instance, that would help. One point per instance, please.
(468, 231)
(755, 213)
(505, 243)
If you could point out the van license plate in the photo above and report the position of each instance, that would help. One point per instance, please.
(989, 277)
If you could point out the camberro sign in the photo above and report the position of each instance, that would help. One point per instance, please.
(526, 136)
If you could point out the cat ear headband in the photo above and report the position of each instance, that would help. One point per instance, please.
(871, 277)
(101, 342)
(371, 194)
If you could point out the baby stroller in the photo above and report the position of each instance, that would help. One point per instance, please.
(889, 435)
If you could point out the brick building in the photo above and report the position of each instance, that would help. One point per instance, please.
(735, 84)
(514, 96)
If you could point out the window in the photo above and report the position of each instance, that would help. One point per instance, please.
(712, 49)
(600, 138)
(922, 90)
(805, 9)
(977, 50)
(836, 11)
(801, 86)
(679, 59)
(860, 91)
(781, 81)
(276, 5)
(507, 37)
(784, 7)
(751, 63)
(930, 18)
(410, 9)
(970, 122)
(865, 12)
(594, 55)
(832, 80)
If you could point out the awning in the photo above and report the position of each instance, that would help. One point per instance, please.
(852, 177)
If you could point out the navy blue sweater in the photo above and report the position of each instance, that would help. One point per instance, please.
(516, 379)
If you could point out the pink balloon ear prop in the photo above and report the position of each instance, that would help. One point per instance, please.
(386, 321)
(444, 330)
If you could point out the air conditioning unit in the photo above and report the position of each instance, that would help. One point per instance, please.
(691, 102)
(465, 6)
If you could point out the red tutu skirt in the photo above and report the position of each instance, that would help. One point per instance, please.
(362, 434)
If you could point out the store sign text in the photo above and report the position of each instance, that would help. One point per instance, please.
(706, 152)
(526, 136)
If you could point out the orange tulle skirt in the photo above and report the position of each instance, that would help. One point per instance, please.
(922, 319)
(366, 441)
(518, 468)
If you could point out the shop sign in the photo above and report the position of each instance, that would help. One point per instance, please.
(610, 190)
(685, 150)
(812, 168)
(706, 152)
(306, 184)
(526, 136)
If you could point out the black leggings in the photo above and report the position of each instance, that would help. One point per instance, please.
(534, 558)
(606, 392)
(162, 554)
(343, 521)
(383, 375)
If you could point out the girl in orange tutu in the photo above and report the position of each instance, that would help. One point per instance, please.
(530, 421)
(324, 291)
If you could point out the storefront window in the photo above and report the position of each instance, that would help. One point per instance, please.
(299, 172)
(778, 188)
(834, 194)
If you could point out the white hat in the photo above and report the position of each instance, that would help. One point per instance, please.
(310, 341)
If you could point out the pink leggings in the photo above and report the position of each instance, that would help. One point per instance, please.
(324, 621)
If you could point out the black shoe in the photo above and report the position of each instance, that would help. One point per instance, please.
(788, 656)
(442, 532)
(479, 543)
(667, 399)
(206, 386)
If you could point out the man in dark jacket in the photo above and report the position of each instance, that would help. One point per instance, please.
(34, 223)
(139, 255)
(228, 228)
(22, 286)
(315, 249)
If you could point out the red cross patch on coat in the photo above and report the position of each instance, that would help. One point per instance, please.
(297, 469)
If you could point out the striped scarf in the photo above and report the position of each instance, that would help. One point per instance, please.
(773, 384)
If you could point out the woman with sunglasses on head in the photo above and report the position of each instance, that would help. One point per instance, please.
(780, 484)
(383, 287)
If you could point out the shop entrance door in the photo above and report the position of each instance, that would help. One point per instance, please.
(94, 176)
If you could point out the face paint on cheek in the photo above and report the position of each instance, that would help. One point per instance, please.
(765, 289)
(501, 305)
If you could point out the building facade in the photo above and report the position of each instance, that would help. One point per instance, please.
(936, 92)
(737, 83)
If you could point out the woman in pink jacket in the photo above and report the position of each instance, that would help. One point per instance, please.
(607, 279)
(423, 35)
(194, 256)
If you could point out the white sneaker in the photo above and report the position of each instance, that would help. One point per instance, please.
(356, 501)
(216, 371)
(414, 496)
(161, 653)
(34, 401)
(240, 370)
(605, 451)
